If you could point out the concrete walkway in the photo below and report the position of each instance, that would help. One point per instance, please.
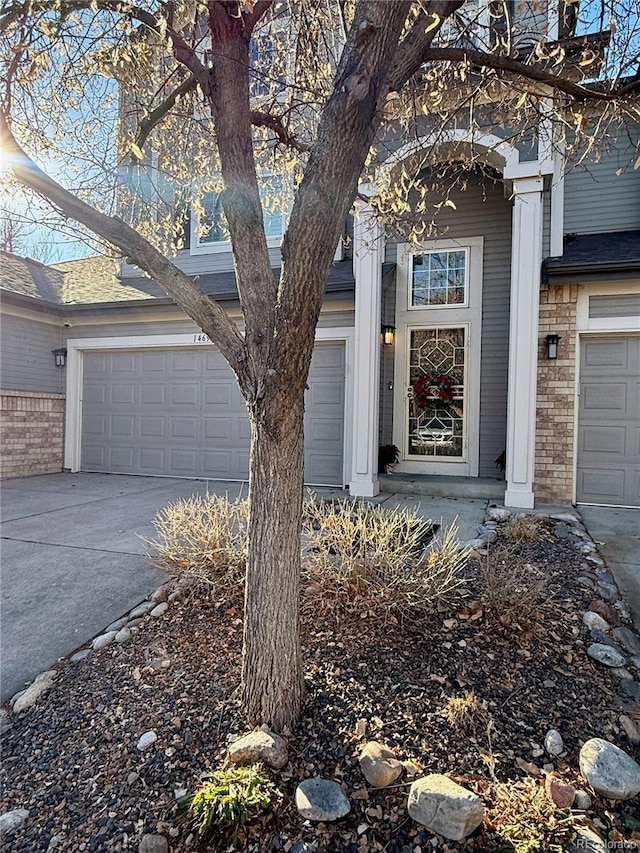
(617, 534)
(73, 559)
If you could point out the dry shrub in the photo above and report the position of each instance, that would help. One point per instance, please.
(522, 815)
(525, 529)
(205, 537)
(512, 588)
(466, 713)
(386, 561)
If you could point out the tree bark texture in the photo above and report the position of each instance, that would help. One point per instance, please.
(272, 676)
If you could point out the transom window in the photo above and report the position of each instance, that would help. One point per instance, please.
(439, 278)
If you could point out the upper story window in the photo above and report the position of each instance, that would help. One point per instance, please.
(439, 279)
(210, 233)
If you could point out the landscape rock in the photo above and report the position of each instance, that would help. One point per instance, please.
(600, 637)
(379, 765)
(146, 740)
(582, 800)
(628, 639)
(115, 626)
(80, 655)
(159, 609)
(584, 581)
(48, 675)
(141, 609)
(497, 513)
(561, 793)
(161, 593)
(123, 635)
(553, 742)
(566, 517)
(605, 610)
(152, 843)
(302, 847)
(321, 800)
(264, 746)
(605, 655)
(594, 622)
(12, 820)
(608, 591)
(631, 729)
(622, 672)
(31, 695)
(609, 770)
(103, 640)
(445, 807)
(631, 688)
(587, 841)
(623, 610)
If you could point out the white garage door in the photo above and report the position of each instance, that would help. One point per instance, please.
(609, 421)
(179, 413)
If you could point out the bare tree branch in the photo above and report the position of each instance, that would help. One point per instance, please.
(179, 286)
(274, 123)
(162, 110)
(514, 66)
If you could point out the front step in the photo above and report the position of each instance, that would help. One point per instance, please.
(483, 488)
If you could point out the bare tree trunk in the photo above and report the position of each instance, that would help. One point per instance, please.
(272, 677)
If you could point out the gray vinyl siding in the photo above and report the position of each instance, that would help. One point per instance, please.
(26, 357)
(203, 262)
(484, 211)
(597, 199)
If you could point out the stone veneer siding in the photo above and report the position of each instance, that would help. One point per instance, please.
(556, 396)
(31, 433)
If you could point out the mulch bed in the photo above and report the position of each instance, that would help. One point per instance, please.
(72, 761)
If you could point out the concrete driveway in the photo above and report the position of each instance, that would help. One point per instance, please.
(617, 534)
(73, 561)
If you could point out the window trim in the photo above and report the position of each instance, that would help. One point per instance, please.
(439, 251)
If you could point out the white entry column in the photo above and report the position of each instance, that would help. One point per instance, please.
(368, 249)
(526, 260)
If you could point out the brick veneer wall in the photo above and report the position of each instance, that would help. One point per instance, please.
(31, 433)
(553, 479)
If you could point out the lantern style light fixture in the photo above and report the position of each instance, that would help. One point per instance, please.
(388, 335)
(60, 356)
(552, 346)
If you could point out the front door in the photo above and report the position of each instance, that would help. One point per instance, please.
(435, 424)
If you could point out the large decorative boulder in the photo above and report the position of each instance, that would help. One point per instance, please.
(445, 807)
(264, 746)
(609, 770)
(379, 765)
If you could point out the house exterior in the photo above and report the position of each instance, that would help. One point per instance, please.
(533, 246)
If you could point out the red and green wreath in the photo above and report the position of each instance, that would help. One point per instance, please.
(430, 390)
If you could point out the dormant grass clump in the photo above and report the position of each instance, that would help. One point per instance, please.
(512, 588)
(524, 817)
(525, 529)
(466, 714)
(386, 561)
(204, 537)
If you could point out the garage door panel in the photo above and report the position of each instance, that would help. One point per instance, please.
(152, 460)
(181, 414)
(604, 395)
(606, 353)
(123, 363)
(122, 425)
(153, 362)
(603, 439)
(609, 429)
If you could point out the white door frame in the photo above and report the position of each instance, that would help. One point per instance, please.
(470, 317)
(76, 347)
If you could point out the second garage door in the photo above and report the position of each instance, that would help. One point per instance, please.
(179, 413)
(609, 421)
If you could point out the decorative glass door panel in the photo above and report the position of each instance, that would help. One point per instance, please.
(436, 425)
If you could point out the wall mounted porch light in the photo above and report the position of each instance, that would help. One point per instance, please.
(552, 346)
(60, 356)
(388, 335)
